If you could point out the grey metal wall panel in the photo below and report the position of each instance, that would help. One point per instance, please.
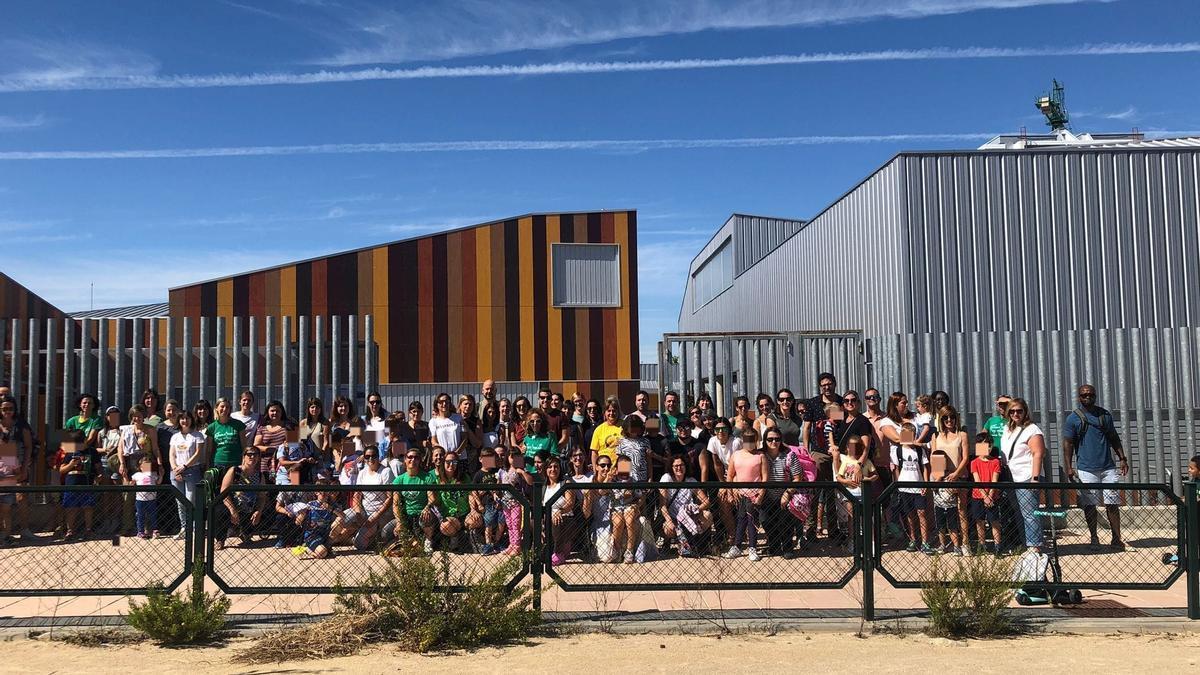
(586, 275)
(1144, 377)
(870, 217)
(756, 237)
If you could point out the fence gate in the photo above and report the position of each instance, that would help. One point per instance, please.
(725, 365)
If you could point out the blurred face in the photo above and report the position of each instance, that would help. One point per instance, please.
(641, 401)
(114, 419)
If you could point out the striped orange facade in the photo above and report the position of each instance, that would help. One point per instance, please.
(18, 302)
(459, 306)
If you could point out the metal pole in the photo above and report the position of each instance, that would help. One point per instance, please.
(17, 330)
(31, 380)
(152, 356)
(319, 346)
(119, 377)
(252, 355)
(536, 555)
(3, 346)
(68, 366)
(101, 360)
(238, 373)
(285, 353)
(1192, 556)
(48, 381)
(302, 354)
(204, 356)
(169, 380)
(85, 357)
(185, 390)
(370, 377)
(138, 374)
(269, 358)
(220, 356)
(352, 357)
(866, 552)
(335, 354)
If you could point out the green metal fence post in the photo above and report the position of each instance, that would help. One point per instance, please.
(1192, 548)
(536, 527)
(866, 552)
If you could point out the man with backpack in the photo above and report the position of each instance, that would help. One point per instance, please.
(1090, 441)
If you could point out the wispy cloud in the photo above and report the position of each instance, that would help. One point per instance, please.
(46, 65)
(611, 145)
(61, 82)
(10, 123)
(1130, 113)
(370, 34)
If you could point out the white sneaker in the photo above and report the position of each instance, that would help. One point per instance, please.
(28, 535)
(733, 552)
(428, 546)
(752, 553)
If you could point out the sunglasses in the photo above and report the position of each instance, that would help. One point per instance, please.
(849, 399)
(371, 456)
(725, 429)
(450, 461)
(785, 399)
(604, 465)
(1016, 411)
(411, 457)
(774, 440)
(372, 402)
(872, 398)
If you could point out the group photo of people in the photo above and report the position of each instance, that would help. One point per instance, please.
(380, 481)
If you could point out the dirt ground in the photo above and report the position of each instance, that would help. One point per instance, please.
(591, 654)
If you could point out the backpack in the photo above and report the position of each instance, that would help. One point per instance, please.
(800, 505)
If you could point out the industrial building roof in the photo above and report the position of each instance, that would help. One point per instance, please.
(158, 310)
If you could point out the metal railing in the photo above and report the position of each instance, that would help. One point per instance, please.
(315, 539)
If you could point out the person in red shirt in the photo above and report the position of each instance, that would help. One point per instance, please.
(985, 502)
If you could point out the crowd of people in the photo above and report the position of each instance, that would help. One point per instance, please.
(579, 453)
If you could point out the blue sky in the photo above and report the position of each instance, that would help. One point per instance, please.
(144, 144)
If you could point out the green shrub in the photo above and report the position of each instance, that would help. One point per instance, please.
(172, 619)
(970, 598)
(414, 605)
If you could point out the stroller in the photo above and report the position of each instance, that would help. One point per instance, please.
(1032, 569)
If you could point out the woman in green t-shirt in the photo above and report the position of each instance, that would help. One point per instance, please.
(227, 436)
(87, 421)
(451, 506)
(537, 438)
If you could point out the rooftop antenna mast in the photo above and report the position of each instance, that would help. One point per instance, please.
(1053, 105)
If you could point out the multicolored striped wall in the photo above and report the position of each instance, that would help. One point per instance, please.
(459, 306)
(18, 302)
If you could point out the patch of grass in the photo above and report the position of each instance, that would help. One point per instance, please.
(100, 637)
(970, 598)
(412, 605)
(171, 619)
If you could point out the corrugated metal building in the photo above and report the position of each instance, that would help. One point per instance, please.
(979, 272)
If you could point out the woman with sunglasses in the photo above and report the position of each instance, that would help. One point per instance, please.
(597, 509)
(592, 418)
(445, 425)
(607, 434)
(450, 507)
(411, 507)
(949, 451)
(377, 415)
(516, 433)
(243, 509)
(372, 506)
(538, 438)
(1022, 448)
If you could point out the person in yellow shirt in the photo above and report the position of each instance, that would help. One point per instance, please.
(608, 433)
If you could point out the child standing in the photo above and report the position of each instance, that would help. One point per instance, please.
(910, 464)
(79, 465)
(985, 468)
(853, 469)
(146, 501)
(945, 520)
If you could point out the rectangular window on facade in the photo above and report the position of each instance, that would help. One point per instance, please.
(713, 277)
(586, 275)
